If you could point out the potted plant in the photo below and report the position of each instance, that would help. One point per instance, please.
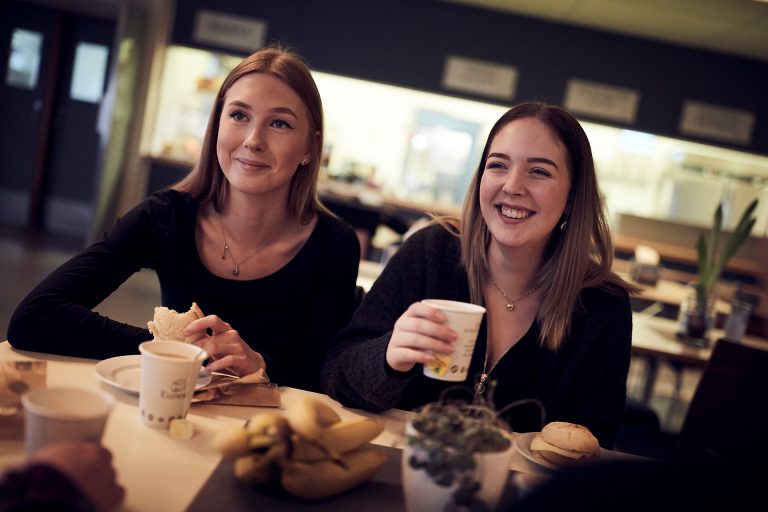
(697, 312)
(457, 458)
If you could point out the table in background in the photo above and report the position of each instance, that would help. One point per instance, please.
(673, 293)
(654, 339)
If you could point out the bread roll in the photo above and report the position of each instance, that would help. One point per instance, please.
(168, 324)
(563, 443)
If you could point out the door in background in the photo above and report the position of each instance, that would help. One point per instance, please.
(55, 66)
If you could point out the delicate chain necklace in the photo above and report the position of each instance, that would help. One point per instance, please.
(511, 302)
(236, 269)
(480, 384)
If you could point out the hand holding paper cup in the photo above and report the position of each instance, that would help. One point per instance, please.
(464, 318)
(64, 414)
(169, 372)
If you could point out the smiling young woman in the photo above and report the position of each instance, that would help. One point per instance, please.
(533, 247)
(264, 137)
(243, 235)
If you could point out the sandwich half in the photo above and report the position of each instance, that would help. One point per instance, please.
(168, 324)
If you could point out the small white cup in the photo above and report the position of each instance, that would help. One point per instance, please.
(64, 414)
(464, 318)
(169, 371)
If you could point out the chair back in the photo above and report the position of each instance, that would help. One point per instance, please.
(727, 415)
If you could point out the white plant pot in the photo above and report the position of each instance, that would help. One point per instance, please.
(422, 494)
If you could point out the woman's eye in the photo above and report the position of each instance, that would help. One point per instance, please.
(238, 116)
(279, 123)
(540, 172)
(494, 165)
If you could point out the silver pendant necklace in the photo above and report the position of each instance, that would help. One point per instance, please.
(236, 269)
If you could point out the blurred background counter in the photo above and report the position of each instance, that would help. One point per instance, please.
(420, 149)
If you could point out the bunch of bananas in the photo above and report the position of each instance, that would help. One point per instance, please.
(308, 449)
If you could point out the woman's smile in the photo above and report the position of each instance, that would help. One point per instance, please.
(251, 164)
(511, 212)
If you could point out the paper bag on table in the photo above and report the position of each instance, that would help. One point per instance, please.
(251, 390)
(17, 377)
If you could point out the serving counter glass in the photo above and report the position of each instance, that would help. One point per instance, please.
(424, 147)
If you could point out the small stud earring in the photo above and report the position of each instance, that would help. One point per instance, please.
(562, 226)
(304, 162)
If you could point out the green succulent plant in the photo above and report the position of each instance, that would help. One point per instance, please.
(447, 436)
(714, 253)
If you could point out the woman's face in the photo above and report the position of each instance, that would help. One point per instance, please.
(263, 136)
(524, 188)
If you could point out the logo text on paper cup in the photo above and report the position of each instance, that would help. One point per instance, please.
(178, 390)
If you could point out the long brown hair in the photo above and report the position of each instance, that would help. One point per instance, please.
(578, 257)
(206, 181)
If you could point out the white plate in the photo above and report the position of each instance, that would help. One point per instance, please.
(123, 373)
(523, 445)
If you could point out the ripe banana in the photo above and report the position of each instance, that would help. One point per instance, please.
(336, 439)
(305, 450)
(231, 442)
(308, 417)
(252, 469)
(262, 430)
(259, 468)
(268, 423)
(346, 435)
(308, 448)
(314, 480)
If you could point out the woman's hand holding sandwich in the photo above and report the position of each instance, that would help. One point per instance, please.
(225, 346)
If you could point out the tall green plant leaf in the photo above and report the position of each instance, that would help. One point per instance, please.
(733, 244)
(712, 258)
(703, 260)
(717, 227)
(742, 231)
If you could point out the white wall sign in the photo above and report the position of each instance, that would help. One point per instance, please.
(715, 122)
(237, 32)
(477, 77)
(601, 100)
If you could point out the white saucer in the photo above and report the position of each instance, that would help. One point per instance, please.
(123, 373)
(523, 446)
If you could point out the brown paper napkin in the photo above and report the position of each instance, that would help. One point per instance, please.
(254, 390)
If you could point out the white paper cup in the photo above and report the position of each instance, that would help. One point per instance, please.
(64, 414)
(169, 371)
(464, 318)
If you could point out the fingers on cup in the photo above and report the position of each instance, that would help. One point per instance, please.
(419, 309)
(439, 331)
(416, 356)
(428, 328)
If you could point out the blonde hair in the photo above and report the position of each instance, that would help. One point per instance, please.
(206, 181)
(578, 257)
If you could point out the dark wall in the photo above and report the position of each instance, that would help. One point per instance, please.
(405, 42)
